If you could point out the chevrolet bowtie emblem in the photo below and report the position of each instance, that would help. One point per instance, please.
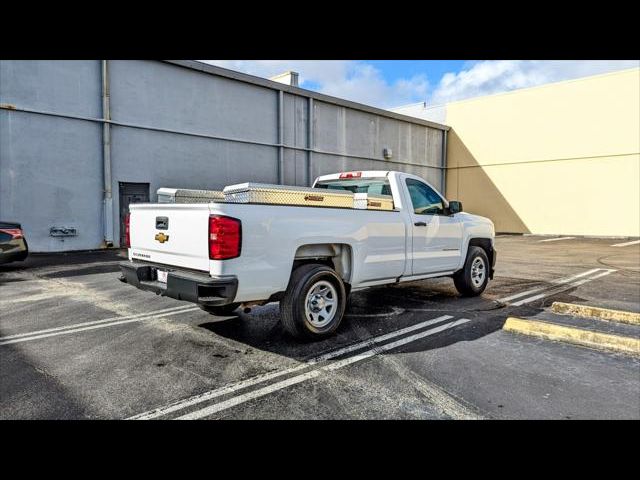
(161, 237)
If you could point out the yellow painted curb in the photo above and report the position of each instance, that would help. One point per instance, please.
(577, 336)
(621, 316)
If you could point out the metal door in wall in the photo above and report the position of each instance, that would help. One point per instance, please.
(130, 193)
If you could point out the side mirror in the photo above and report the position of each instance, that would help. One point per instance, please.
(454, 207)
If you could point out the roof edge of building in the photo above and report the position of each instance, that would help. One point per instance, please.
(263, 82)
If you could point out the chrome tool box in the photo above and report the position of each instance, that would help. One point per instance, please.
(285, 195)
(184, 195)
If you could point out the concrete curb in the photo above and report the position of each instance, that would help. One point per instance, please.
(631, 318)
(577, 336)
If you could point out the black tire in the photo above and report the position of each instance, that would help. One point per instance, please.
(292, 305)
(222, 310)
(463, 278)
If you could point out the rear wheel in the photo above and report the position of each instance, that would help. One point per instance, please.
(314, 302)
(473, 278)
(222, 310)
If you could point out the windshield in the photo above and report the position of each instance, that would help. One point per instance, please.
(373, 186)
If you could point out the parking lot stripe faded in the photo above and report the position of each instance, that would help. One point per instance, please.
(556, 239)
(261, 392)
(560, 289)
(559, 281)
(626, 244)
(81, 327)
(203, 397)
(93, 322)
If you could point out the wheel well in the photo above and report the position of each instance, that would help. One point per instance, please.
(334, 255)
(485, 244)
(481, 242)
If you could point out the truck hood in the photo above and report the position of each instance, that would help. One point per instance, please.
(471, 219)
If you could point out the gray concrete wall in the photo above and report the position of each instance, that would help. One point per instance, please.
(51, 167)
(164, 117)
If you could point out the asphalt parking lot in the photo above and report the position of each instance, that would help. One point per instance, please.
(77, 343)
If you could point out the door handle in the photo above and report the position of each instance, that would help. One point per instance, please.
(420, 224)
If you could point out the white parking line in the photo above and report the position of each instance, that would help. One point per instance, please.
(261, 392)
(556, 239)
(93, 322)
(561, 289)
(203, 397)
(81, 327)
(559, 281)
(634, 242)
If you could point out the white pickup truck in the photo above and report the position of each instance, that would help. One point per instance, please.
(245, 247)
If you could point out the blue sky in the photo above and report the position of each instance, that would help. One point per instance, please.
(434, 69)
(391, 83)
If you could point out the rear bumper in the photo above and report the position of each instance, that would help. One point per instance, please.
(184, 285)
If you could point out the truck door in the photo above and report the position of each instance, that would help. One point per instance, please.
(437, 238)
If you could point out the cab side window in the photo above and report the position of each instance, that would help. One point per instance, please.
(424, 199)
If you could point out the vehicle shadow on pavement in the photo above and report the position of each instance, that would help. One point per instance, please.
(66, 259)
(78, 272)
(10, 279)
(371, 313)
(379, 311)
(62, 265)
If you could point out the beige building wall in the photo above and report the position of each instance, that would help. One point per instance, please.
(563, 158)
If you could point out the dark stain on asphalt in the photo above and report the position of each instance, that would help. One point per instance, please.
(92, 270)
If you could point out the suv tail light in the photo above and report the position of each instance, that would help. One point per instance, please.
(16, 233)
(225, 237)
(127, 230)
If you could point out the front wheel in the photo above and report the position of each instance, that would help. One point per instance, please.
(314, 302)
(474, 276)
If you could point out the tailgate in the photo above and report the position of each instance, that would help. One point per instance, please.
(171, 234)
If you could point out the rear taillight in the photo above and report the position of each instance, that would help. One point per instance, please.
(16, 233)
(127, 230)
(225, 237)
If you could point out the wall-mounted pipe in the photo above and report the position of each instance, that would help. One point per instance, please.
(215, 137)
(106, 158)
(281, 137)
(310, 117)
(443, 171)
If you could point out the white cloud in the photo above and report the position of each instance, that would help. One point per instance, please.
(495, 76)
(362, 82)
(353, 80)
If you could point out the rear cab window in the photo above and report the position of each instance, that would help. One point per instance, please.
(372, 186)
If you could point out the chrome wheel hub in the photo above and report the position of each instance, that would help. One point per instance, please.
(478, 272)
(321, 304)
